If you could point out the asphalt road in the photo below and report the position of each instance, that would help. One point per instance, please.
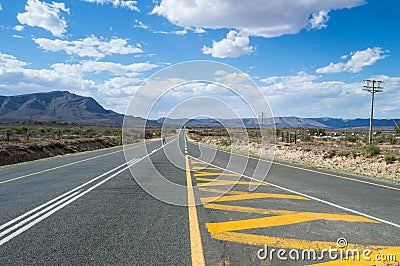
(94, 208)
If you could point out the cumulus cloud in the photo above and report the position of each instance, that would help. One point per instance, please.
(131, 5)
(18, 28)
(1, 7)
(235, 44)
(305, 95)
(89, 47)
(319, 19)
(358, 60)
(112, 88)
(256, 18)
(45, 15)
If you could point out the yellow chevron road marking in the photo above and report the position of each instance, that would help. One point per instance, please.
(226, 231)
(250, 196)
(218, 182)
(272, 221)
(213, 174)
(204, 168)
(290, 243)
(220, 191)
(196, 162)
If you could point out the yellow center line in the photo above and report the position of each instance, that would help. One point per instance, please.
(195, 236)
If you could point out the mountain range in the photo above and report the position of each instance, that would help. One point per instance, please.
(60, 107)
(66, 107)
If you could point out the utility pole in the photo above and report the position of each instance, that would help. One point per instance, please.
(262, 119)
(372, 86)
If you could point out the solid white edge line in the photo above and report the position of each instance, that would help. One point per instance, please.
(305, 195)
(29, 225)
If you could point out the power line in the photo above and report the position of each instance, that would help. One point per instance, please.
(372, 86)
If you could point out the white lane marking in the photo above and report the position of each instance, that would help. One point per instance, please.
(59, 197)
(305, 195)
(124, 148)
(47, 214)
(71, 198)
(3, 233)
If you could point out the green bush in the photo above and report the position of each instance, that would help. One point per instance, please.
(390, 157)
(371, 150)
(354, 154)
(317, 131)
(397, 129)
(66, 130)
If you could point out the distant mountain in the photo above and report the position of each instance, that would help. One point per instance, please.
(188, 122)
(283, 122)
(61, 107)
(66, 107)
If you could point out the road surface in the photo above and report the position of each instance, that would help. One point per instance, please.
(88, 209)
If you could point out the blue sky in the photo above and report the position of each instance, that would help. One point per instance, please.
(307, 56)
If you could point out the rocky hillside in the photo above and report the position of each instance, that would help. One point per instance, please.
(60, 107)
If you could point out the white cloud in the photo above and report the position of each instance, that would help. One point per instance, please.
(113, 87)
(319, 19)
(89, 47)
(18, 36)
(1, 7)
(112, 84)
(10, 62)
(256, 18)
(45, 15)
(131, 5)
(235, 44)
(199, 30)
(18, 28)
(140, 24)
(99, 67)
(304, 95)
(357, 61)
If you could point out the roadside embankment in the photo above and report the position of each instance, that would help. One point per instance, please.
(11, 153)
(328, 156)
